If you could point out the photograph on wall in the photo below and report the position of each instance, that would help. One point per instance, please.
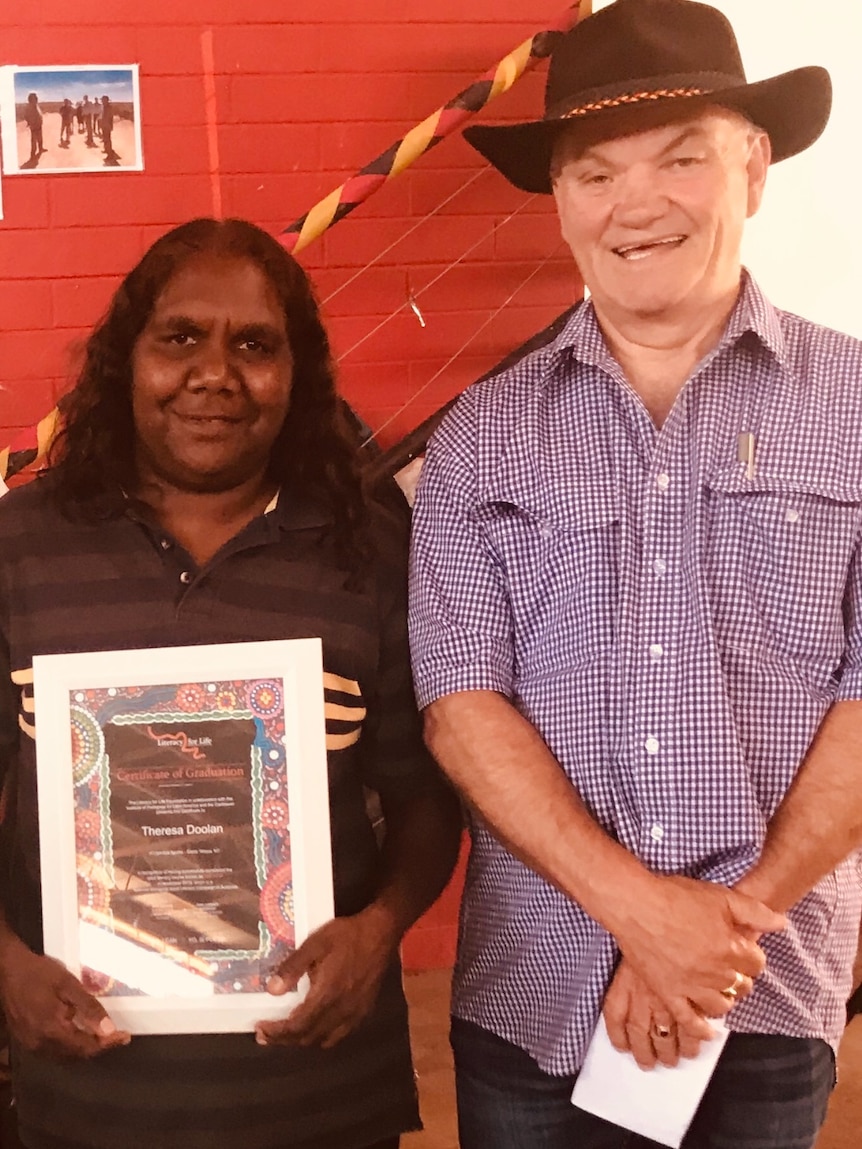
(70, 119)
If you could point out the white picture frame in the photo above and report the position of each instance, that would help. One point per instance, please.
(99, 779)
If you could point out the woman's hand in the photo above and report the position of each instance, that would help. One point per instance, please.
(48, 1011)
(345, 961)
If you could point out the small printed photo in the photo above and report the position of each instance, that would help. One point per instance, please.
(63, 119)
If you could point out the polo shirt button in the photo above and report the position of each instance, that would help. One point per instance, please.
(185, 578)
(659, 566)
(662, 481)
(652, 745)
(656, 652)
(656, 832)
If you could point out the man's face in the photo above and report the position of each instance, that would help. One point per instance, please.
(211, 377)
(655, 220)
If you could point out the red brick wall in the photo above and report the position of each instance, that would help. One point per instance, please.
(304, 95)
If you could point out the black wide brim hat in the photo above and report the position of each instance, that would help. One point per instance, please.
(638, 63)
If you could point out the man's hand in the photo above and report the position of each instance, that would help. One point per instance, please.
(345, 961)
(49, 1012)
(688, 940)
(639, 1023)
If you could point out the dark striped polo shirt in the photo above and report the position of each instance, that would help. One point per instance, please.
(120, 583)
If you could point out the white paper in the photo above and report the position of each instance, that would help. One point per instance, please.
(656, 1103)
(3, 487)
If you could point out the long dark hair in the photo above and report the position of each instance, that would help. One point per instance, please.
(315, 452)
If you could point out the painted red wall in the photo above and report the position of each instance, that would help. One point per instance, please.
(304, 95)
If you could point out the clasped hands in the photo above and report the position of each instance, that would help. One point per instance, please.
(50, 1012)
(689, 954)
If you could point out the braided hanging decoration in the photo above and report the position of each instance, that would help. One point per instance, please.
(30, 445)
(429, 133)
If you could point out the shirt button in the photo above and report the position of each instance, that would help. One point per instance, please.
(656, 651)
(792, 515)
(659, 566)
(166, 544)
(185, 578)
(662, 481)
(656, 832)
(651, 745)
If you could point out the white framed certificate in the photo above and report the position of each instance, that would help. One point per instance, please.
(184, 826)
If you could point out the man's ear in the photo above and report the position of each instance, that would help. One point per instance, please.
(758, 167)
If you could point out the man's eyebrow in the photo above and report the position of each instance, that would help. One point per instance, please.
(692, 132)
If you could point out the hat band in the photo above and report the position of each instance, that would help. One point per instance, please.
(633, 98)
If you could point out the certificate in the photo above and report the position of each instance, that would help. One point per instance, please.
(184, 826)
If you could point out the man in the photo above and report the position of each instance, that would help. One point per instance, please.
(106, 121)
(88, 111)
(33, 119)
(637, 617)
(205, 490)
(67, 118)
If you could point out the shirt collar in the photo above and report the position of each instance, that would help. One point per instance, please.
(284, 511)
(582, 337)
(754, 313)
(297, 511)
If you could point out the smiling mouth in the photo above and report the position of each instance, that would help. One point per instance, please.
(632, 251)
(206, 419)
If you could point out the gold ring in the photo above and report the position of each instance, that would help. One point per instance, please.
(660, 1030)
(733, 990)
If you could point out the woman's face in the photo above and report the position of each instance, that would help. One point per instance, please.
(211, 377)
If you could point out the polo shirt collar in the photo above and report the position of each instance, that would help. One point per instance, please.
(297, 511)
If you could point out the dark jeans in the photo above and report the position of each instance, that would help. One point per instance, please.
(766, 1093)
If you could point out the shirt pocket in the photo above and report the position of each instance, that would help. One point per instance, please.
(777, 554)
(559, 566)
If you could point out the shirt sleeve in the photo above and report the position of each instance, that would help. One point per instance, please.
(850, 686)
(460, 616)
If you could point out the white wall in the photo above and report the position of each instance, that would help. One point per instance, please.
(805, 245)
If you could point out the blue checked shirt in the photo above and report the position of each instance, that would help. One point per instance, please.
(675, 627)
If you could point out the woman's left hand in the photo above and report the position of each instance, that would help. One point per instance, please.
(345, 961)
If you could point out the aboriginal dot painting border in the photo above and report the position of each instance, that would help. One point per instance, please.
(260, 700)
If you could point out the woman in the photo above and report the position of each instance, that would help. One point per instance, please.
(204, 490)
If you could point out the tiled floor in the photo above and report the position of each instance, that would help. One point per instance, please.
(428, 994)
